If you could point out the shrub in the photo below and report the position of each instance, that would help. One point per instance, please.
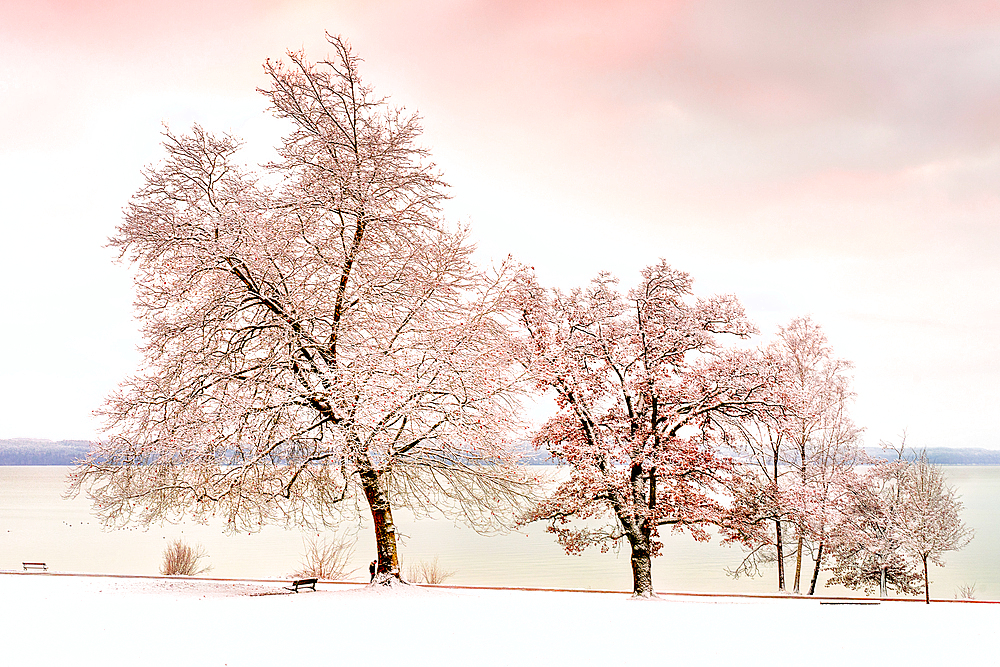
(327, 559)
(430, 572)
(181, 558)
(966, 592)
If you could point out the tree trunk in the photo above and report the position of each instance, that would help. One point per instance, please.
(819, 560)
(387, 571)
(927, 587)
(777, 529)
(781, 555)
(640, 533)
(883, 586)
(799, 531)
(798, 562)
(642, 569)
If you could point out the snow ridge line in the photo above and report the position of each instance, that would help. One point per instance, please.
(752, 596)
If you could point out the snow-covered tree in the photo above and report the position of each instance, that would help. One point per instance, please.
(929, 524)
(642, 386)
(316, 338)
(821, 499)
(758, 491)
(823, 438)
(799, 462)
(902, 515)
(866, 544)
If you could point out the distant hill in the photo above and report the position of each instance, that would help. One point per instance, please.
(946, 456)
(531, 456)
(34, 452)
(539, 458)
(37, 452)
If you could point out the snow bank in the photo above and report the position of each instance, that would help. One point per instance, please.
(63, 620)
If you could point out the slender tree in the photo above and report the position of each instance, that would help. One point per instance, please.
(642, 385)
(759, 490)
(866, 545)
(798, 461)
(902, 516)
(820, 502)
(930, 522)
(823, 439)
(316, 338)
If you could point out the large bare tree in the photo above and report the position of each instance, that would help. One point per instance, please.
(316, 338)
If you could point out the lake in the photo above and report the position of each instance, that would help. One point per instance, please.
(37, 524)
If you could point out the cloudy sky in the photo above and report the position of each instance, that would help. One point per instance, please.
(834, 158)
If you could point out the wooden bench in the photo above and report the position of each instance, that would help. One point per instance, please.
(35, 566)
(302, 583)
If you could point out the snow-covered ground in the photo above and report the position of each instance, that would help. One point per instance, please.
(76, 620)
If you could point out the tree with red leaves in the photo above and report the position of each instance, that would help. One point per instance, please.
(317, 338)
(643, 387)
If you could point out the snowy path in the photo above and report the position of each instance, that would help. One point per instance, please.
(47, 620)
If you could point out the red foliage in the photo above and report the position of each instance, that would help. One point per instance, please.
(643, 387)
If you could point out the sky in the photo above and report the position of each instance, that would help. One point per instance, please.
(838, 159)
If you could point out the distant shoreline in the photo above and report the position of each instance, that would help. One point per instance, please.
(39, 452)
(945, 456)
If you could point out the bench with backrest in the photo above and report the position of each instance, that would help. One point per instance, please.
(302, 583)
(35, 566)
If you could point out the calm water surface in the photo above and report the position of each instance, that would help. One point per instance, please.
(37, 524)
